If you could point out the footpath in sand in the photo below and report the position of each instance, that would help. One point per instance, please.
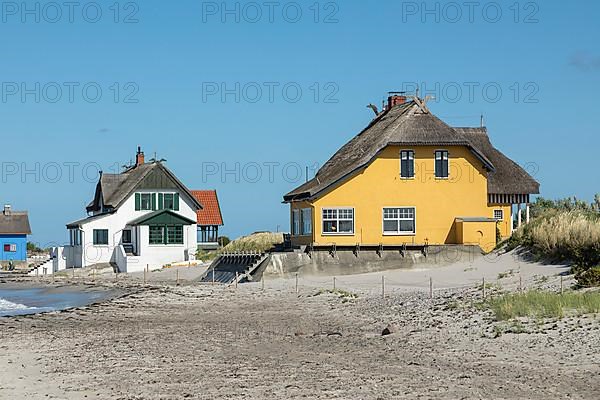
(207, 342)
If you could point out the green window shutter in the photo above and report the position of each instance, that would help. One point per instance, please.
(160, 201)
(154, 201)
(176, 202)
(138, 202)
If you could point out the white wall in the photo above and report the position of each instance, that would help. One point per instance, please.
(115, 223)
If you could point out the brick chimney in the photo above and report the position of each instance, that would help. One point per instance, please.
(139, 157)
(395, 98)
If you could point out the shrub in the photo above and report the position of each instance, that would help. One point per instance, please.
(223, 241)
(588, 277)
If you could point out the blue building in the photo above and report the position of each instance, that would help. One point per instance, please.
(14, 228)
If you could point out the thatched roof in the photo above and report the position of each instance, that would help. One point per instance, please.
(509, 177)
(113, 189)
(403, 124)
(14, 223)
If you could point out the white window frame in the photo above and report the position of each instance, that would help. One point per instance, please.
(435, 162)
(337, 209)
(410, 152)
(501, 211)
(304, 212)
(399, 233)
(142, 202)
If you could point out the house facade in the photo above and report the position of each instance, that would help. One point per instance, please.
(409, 178)
(14, 228)
(141, 217)
(209, 219)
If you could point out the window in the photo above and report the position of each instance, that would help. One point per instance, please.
(175, 234)
(306, 221)
(75, 237)
(499, 215)
(160, 234)
(156, 234)
(208, 234)
(441, 164)
(338, 221)
(169, 201)
(399, 221)
(146, 201)
(126, 236)
(10, 248)
(100, 236)
(407, 164)
(295, 222)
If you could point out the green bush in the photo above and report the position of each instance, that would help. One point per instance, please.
(588, 277)
(223, 241)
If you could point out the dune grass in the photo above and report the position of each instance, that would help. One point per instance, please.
(539, 304)
(258, 242)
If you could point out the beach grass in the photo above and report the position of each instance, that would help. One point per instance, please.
(540, 304)
(257, 242)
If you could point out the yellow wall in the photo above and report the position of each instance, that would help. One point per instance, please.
(438, 202)
(478, 233)
(504, 225)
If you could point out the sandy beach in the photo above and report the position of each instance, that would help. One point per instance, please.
(163, 341)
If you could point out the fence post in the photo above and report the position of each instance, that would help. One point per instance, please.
(383, 286)
(483, 287)
(334, 283)
(144, 276)
(262, 283)
(296, 283)
(431, 288)
(177, 277)
(520, 283)
(561, 284)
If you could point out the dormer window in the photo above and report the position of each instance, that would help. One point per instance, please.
(441, 164)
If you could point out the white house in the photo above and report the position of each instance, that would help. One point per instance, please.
(142, 216)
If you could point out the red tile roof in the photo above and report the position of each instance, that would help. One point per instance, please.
(211, 211)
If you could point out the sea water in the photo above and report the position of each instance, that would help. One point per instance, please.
(23, 301)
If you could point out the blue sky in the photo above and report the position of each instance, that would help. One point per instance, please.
(214, 88)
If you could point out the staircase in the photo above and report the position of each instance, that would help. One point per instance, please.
(231, 266)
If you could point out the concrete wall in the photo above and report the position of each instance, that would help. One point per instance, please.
(347, 263)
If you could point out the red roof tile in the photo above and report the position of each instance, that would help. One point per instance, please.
(211, 211)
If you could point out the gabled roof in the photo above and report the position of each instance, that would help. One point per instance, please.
(14, 223)
(403, 124)
(113, 189)
(211, 211)
(162, 217)
(77, 224)
(509, 177)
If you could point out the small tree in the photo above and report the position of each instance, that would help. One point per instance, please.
(223, 241)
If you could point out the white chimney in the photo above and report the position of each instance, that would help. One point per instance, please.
(7, 209)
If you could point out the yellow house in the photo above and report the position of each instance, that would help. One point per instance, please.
(409, 179)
